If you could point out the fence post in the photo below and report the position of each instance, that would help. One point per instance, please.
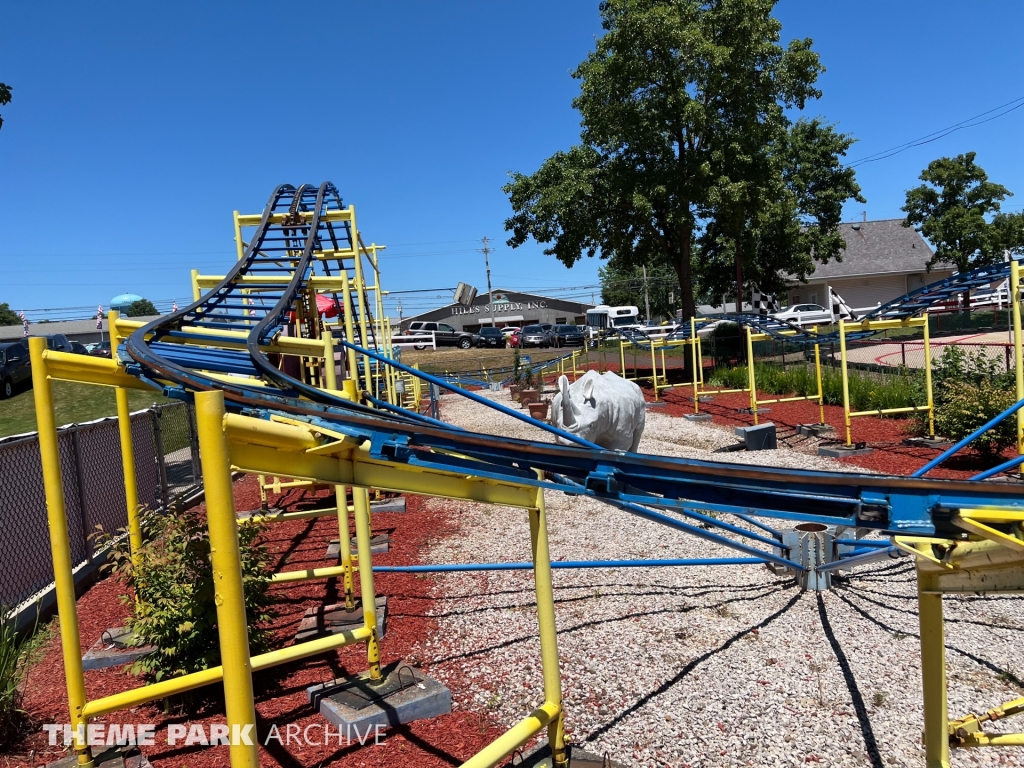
(846, 380)
(161, 461)
(903, 352)
(193, 442)
(76, 446)
(928, 379)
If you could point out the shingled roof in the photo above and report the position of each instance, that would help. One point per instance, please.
(876, 248)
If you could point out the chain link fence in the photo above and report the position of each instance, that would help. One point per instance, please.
(166, 449)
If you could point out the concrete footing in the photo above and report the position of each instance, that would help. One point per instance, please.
(388, 505)
(114, 649)
(814, 430)
(841, 451)
(578, 758)
(334, 619)
(928, 442)
(698, 417)
(658, 404)
(107, 757)
(760, 437)
(379, 545)
(403, 695)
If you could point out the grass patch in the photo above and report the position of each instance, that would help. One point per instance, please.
(73, 402)
(868, 391)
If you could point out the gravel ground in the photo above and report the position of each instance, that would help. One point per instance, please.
(708, 666)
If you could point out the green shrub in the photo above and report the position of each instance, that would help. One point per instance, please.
(967, 406)
(13, 664)
(956, 366)
(173, 587)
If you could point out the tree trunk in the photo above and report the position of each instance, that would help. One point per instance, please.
(684, 271)
(739, 279)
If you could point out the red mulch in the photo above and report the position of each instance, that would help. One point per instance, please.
(885, 436)
(281, 697)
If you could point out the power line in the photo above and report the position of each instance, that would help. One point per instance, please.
(941, 133)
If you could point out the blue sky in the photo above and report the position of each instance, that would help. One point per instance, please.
(137, 128)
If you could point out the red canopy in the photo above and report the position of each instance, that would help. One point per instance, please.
(327, 306)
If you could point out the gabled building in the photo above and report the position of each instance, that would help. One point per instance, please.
(510, 308)
(883, 260)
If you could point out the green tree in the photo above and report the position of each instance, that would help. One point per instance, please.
(957, 211)
(8, 316)
(5, 98)
(681, 104)
(794, 223)
(142, 308)
(623, 284)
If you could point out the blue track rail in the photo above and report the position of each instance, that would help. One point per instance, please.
(295, 228)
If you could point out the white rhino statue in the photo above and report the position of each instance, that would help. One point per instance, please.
(602, 408)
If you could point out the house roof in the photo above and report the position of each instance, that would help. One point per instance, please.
(874, 248)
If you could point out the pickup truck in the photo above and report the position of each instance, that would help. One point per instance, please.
(15, 367)
(444, 335)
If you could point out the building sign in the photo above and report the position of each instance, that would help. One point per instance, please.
(505, 306)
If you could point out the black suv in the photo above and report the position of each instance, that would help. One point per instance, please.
(566, 336)
(491, 337)
(444, 335)
(15, 367)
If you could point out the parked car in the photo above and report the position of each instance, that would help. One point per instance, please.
(491, 337)
(15, 367)
(509, 330)
(805, 314)
(534, 336)
(444, 335)
(566, 336)
(99, 349)
(58, 342)
(79, 348)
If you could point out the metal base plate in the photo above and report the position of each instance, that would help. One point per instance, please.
(841, 451)
(333, 619)
(578, 758)
(114, 649)
(402, 696)
(379, 545)
(813, 430)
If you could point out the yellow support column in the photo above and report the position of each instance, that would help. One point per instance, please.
(654, 372)
(546, 628)
(821, 390)
(1018, 360)
(697, 363)
(352, 380)
(928, 377)
(60, 546)
(227, 574)
(345, 545)
(751, 382)
(131, 492)
(360, 284)
(846, 380)
(933, 671)
(361, 507)
(197, 294)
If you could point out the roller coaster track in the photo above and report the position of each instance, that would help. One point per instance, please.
(905, 307)
(221, 341)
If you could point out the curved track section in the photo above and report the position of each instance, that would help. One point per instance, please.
(218, 343)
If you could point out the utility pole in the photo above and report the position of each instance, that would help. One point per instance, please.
(647, 298)
(399, 312)
(487, 263)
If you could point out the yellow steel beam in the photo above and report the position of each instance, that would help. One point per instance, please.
(232, 626)
(175, 685)
(89, 370)
(364, 472)
(60, 542)
(978, 521)
(515, 737)
(254, 219)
